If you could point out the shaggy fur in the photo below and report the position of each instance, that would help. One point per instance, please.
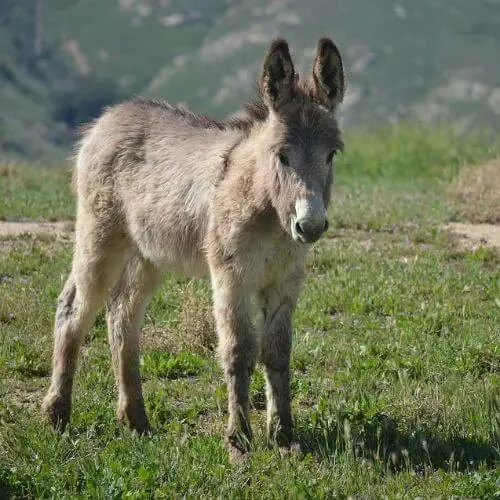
(163, 189)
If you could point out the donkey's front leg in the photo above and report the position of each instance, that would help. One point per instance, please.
(238, 352)
(276, 347)
(278, 305)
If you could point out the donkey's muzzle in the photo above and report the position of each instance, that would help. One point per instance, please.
(309, 221)
(309, 231)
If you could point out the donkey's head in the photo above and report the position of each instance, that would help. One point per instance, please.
(302, 136)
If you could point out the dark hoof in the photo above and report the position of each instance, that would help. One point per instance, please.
(138, 423)
(142, 429)
(292, 449)
(237, 454)
(238, 446)
(282, 437)
(57, 411)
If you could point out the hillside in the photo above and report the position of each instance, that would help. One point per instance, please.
(423, 60)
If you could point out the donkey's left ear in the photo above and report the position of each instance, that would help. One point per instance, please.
(328, 79)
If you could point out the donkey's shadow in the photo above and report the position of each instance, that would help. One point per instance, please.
(380, 439)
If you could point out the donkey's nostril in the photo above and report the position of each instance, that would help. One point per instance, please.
(327, 225)
(298, 228)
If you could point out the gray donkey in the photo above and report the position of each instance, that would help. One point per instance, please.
(163, 189)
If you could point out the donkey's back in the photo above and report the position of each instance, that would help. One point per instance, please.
(147, 171)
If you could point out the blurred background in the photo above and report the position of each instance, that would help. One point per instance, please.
(61, 61)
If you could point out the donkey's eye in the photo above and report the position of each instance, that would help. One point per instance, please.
(329, 158)
(283, 158)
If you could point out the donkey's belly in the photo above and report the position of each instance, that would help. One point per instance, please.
(189, 263)
(189, 268)
(175, 248)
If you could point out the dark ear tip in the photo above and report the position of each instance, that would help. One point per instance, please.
(325, 44)
(279, 45)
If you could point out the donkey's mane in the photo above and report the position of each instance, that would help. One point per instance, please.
(244, 119)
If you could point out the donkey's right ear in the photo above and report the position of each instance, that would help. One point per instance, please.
(277, 79)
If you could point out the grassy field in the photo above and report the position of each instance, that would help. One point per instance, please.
(396, 360)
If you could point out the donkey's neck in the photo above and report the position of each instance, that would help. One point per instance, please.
(246, 175)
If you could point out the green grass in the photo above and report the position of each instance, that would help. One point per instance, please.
(396, 360)
(35, 193)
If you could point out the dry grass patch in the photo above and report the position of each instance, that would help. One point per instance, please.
(12, 229)
(23, 394)
(197, 325)
(196, 329)
(25, 244)
(477, 191)
(473, 236)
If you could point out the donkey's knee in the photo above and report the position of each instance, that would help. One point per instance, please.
(73, 317)
(238, 355)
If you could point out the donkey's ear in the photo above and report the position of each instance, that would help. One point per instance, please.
(328, 79)
(277, 80)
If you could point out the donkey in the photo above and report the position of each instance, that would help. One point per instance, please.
(163, 189)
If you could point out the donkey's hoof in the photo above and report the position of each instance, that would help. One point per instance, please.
(137, 423)
(290, 450)
(238, 447)
(236, 453)
(143, 428)
(281, 437)
(57, 411)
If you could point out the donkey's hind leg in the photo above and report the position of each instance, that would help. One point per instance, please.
(125, 311)
(96, 268)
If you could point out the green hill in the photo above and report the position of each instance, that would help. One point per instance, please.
(427, 60)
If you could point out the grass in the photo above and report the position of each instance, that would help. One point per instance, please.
(35, 193)
(396, 360)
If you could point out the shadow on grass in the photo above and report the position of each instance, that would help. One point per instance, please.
(379, 439)
(8, 490)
